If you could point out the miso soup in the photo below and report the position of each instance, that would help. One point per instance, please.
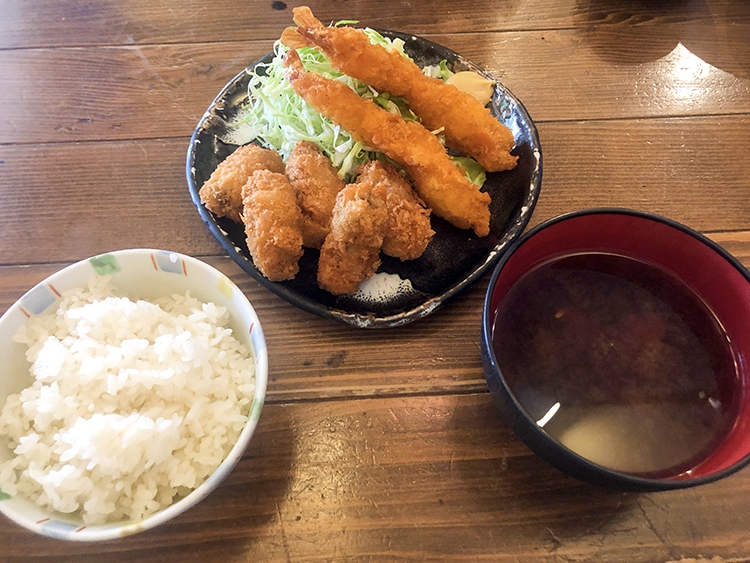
(620, 361)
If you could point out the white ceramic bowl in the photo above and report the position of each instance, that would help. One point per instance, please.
(144, 274)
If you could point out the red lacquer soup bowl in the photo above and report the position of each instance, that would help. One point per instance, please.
(615, 343)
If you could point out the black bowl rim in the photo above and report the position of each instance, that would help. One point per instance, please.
(370, 320)
(572, 463)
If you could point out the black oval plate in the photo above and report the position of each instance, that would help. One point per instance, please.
(455, 258)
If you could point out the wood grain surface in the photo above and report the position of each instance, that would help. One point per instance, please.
(380, 445)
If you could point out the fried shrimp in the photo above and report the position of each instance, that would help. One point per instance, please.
(222, 192)
(441, 185)
(468, 126)
(351, 251)
(408, 231)
(272, 224)
(316, 184)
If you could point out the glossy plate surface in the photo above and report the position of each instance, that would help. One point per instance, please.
(454, 259)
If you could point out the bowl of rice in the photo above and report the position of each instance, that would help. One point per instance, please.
(132, 384)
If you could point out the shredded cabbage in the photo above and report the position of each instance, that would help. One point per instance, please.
(473, 170)
(279, 118)
(439, 70)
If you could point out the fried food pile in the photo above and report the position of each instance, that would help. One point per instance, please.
(303, 202)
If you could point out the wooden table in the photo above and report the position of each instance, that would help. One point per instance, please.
(380, 445)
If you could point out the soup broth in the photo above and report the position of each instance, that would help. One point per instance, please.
(619, 361)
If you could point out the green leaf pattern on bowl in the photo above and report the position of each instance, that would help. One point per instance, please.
(105, 264)
(255, 409)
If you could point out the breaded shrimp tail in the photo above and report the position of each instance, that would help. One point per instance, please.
(294, 40)
(437, 180)
(291, 36)
(468, 126)
(303, 17)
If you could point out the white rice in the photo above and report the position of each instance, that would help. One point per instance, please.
(133, 405)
